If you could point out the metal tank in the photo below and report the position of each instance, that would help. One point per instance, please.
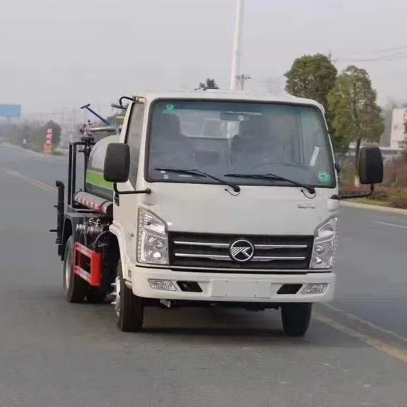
(95, 183)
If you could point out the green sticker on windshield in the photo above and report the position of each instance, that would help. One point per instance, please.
(170, 109)
(324, 177)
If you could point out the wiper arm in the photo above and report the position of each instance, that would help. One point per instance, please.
(198, 173)
(275, 177)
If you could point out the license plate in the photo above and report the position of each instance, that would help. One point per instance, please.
(240, 289)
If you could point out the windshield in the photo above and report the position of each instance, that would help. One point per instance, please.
(224, 138)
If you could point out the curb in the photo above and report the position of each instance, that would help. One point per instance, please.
(378, 208)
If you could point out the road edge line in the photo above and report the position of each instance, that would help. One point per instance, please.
(365, 322)
(31, 181)
(366, 339)
(378, 208)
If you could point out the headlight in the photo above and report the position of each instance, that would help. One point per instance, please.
(324, 250)
(152, 242)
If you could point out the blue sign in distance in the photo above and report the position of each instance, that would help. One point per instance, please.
(10, 111)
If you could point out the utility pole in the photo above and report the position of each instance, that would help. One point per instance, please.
(235, 71)
(241, 79)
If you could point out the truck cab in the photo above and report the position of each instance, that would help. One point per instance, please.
(222, 199)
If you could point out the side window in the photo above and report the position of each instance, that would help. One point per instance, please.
(133, 139)
(314, 138)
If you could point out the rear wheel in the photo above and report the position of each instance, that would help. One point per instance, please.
(74, 286)
(129, 308)
(296, 318)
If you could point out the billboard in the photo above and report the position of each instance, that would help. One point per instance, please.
(10, 111)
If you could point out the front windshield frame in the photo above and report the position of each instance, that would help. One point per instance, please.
(241, 181)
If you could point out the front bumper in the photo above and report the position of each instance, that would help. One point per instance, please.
(230, 287)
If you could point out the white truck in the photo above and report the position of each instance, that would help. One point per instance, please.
(207, 198)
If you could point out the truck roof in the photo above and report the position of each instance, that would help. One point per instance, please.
(220, 94)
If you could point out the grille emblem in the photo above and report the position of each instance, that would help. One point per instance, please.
(241, 251)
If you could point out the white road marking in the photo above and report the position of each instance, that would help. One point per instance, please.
(391, 224)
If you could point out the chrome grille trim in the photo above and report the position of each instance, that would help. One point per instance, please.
(193, 251)
(256, 246)
(227, 258)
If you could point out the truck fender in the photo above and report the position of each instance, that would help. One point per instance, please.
(66, 233)
(69, 229)
(118, 233)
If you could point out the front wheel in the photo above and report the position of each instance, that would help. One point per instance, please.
(129, 308)
(296, 318)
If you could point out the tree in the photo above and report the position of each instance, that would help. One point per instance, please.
(35, 135)
(356, 115)
(313, 77)
(209, 84)
(56, 130)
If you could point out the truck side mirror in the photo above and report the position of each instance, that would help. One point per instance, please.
(370, 166)
(117, 163)
(370, 169)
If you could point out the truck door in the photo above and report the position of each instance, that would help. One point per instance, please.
(125, 206)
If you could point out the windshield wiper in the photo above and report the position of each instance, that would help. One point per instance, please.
(274, 177)
(198, 173)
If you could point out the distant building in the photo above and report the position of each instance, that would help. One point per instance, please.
(397, 136)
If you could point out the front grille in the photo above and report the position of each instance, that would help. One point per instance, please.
(207, 251)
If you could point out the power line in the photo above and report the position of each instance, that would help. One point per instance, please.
(402, 53)
(385, 58)
(390, 49)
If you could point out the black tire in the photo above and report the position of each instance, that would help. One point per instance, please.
(74, 286)
(296, 318)
(95, 295)
(130, 313)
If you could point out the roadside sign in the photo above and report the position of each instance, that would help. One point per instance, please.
(49, 137)
(10, 111)
(49, 141)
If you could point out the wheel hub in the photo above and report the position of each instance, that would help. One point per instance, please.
(68, 270)
(116, 294)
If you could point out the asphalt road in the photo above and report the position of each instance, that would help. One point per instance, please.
(372, 267)
(56, 354)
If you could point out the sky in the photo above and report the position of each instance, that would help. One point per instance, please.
(65, 53)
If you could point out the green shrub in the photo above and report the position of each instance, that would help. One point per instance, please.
(381, 194)
(398, 198)
(348, 189)
(395, 173)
